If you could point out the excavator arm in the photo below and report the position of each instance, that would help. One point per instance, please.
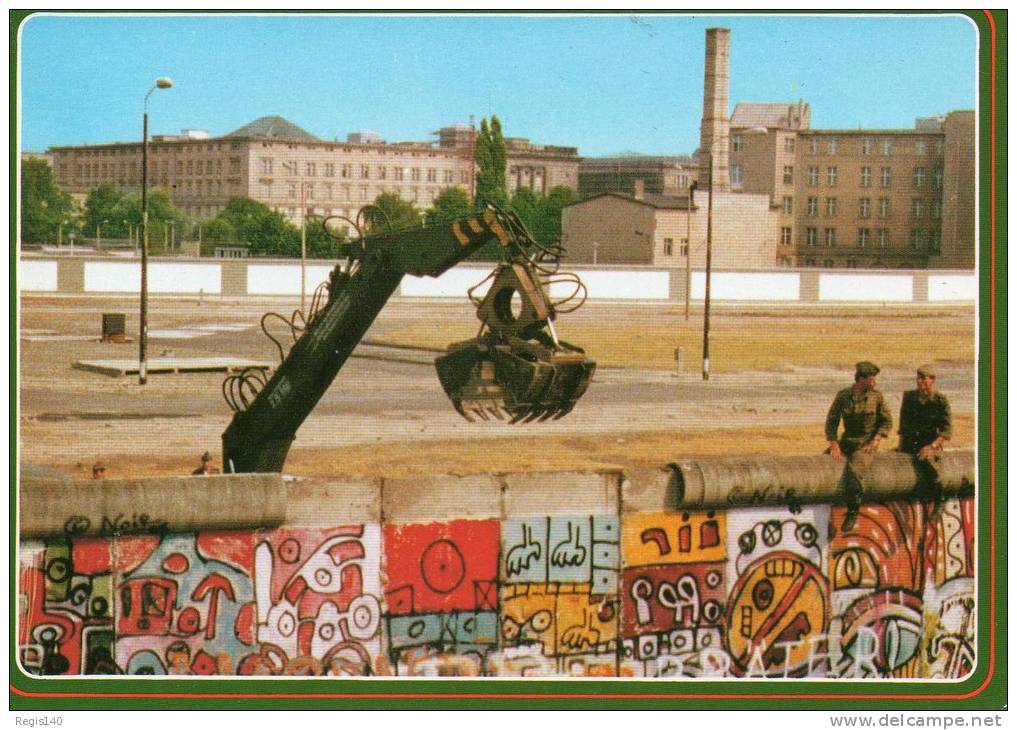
(516, 369)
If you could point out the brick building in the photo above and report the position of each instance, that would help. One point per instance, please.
(290, 170)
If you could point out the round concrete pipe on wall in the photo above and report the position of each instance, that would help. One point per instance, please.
(792, 480)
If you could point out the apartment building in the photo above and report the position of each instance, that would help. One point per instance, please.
(660, 175)
(291, 171)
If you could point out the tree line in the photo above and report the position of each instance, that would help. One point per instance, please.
(47, 213)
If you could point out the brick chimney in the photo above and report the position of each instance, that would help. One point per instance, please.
(715, 126)
(639, 189)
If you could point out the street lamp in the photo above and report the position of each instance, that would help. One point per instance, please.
(160, 83)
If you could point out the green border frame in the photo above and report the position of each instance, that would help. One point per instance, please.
(986, 689)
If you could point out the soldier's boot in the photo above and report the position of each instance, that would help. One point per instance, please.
(931, 487)
(852, 501)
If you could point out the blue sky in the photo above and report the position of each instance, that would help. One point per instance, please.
(602, 83)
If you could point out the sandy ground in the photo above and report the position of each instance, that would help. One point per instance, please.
(391, 418)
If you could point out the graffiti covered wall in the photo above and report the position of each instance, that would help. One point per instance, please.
(749, 592)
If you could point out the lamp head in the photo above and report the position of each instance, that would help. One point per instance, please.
(163, 82)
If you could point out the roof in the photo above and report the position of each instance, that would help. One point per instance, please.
(650, 199)
(274, 128)
(771, 114)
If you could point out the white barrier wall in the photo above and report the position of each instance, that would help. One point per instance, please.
(163, 278)
(748, 287)
(37, 276)
(453, 283)
(619, 285)
(284, 278)
(963, 287)
(865, 288)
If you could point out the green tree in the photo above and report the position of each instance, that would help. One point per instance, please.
(391, 211)
(43, 206)
(321, 243)
(491, 157)
(265, 231)
(449, 204)
(102, 207)
(542, 213)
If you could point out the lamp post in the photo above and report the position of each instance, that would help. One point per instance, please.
(303, 247)
(160, 83)
(709, 252)
(688, 250)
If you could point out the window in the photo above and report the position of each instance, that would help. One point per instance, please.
(920, 146)
(831, 176)
(813, 177)
(290, 168)
(312, 169)
(812, 206)
(736, 175)
(831, 146)
(866, 146)
(292, 190)
(939, 146)
(884, 237)
(917, 208)
(365, 173)
(830, 236)
(937, 209)
(190, 166)
(884, 177)
(789, 174)
(916, 238)
(813, 146)
(382, 172)
(937, 178)
(344, 171)
(788, 204)
(785, 236)
(828, 263)
(789, 144)
(863, 237)
(935, 241)
(864, 208)
(885, 147)
(852, 264)
(918, 177)
(415, 174)
(432, 175)
(831, 207)
(884, 207)
(668, 246)
(736, 142)
(866, 177)
(811, 236)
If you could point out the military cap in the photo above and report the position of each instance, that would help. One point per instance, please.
(927, 371)
(98, 466)
(866, 369)
(206, 456)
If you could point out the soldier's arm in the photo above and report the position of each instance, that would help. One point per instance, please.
(884, 419)
(833, 420)
(945, 430)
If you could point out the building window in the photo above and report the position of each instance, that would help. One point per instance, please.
(917, 208)
(685, 249)
(788, 204)
(920, 146)
(831, 176)
(864, 208)
(866, 146)
(668, 246)
(830, 236)
(789, 144)
(290, 168)
(916, 238)
(918, 177)
(813, 178)
(432, 175)
(885, 147)
(415, 174)
(852, 264)
(935, 241)
(736, 142)
(344, 171)
(328, 169)
(811, 236)
(292, 190)
(884, 237)
(863, 237)
(382, 172)
(828, 263)
(831, 146)
(398, 173)
(736, 174)
(812, 206)
(939, 146)
(831, 207)
(884, 207)
(365, 173)
(937, 178)
(937, 208)
(311, 169)
(884, 177)
(789, 175)
(866, 176)
(813, 146)
(785, 236)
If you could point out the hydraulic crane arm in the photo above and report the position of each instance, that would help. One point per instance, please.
(259, 437)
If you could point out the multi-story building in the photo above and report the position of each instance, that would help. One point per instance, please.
(661, 175)
(294, 172)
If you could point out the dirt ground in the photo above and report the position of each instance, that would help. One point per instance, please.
(775, 370)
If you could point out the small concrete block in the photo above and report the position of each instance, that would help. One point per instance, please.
(648, 490)
(561, 493)
(441, 498)
(330, 502)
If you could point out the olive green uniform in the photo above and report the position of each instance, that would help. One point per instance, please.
(865, 415)
(921, 423)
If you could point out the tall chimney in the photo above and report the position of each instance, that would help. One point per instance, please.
(714, 129)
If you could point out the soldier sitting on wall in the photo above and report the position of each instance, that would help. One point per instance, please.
(207, 467)
(925, 425)
(867, 421)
